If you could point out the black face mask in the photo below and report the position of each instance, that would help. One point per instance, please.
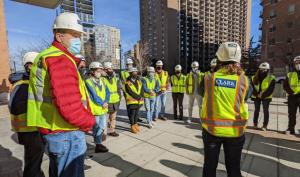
(177, 72)
(110, 74)
(84, 72)
(159, 68)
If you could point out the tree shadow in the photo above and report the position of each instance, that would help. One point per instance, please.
(10, 166)
(255, 164)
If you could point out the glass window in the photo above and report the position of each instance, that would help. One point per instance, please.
(292, 9)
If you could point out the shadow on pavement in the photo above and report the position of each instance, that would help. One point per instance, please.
(126, 168)
(10, 166)
(262, 154)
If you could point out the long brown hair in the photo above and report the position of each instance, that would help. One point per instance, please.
(231, 68)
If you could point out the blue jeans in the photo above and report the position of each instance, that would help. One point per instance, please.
(66, 153)
(99, 128)
(160, 105)
(149, 106)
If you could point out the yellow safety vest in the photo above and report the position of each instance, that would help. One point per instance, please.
(41, 111)
(294, 82)
(224, 111)
(113, 90)
(19, 122)
(178, 85)
(124, 75)
(129, 99)
(163, 79)
(264, 85)
(151, 86)
(99, 89)
(190, 81)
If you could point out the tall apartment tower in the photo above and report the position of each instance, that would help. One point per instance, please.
(193, 29)
(107, 44)
(280, 33)
(159, 31)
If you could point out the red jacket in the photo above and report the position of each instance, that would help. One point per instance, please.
(65, 90)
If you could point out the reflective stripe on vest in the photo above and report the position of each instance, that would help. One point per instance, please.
(264, 85)
(129, 99)
(19, 122)
(178, 86)
(190, 83)
(151, 86)
(294, 82)
(99, 89)
(163, 79)
(224, 112)
(41, 112)
(113, 89)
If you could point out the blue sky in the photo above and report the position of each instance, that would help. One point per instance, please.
(28, 25)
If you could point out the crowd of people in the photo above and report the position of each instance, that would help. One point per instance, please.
(55, 103)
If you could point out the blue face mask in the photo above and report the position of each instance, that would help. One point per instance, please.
(75, 46)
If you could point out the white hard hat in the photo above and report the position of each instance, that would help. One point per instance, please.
(159, 63)
(29, 57)
(132, 69)
(68, 20)
(95, 65)
(81, 57)
(195, 64)
(108, 65)
(178, 68)
(150, 69)
(264, 65)
(229, 51)
(213, 62)
(129, 61)
(297, 58)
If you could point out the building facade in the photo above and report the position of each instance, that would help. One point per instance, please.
(107, 44)
(4, 58)
(191, 30)
(280, 33)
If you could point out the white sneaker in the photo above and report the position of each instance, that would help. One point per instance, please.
(188, 121)
(150, 126)
(153, 123)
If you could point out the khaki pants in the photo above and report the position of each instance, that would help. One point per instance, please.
(112, 122)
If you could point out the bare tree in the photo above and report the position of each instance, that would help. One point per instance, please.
(142, 57)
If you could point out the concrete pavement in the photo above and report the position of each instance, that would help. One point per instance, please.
(172, 148)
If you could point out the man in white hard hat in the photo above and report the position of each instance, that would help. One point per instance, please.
(161, 97)
(292, 86)
(193, 80)
(263, 86)
(224, 111)
(125, 74)
(178, 89)
(99, 98)
(28, 136)
(213, 65)
(134, 98)
(114, 86)
(58, 103)
(151, 87)
(82, 68)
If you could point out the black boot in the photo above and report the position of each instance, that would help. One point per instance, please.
(100, 148)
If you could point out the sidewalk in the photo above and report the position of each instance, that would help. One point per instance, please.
(173, 149)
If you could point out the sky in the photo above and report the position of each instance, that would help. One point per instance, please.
(29, 25)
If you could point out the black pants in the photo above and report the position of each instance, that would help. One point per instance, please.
(293, 105)
(232, 149)
(178, 98)
(266, 104)
(33, 153)
(133, 113)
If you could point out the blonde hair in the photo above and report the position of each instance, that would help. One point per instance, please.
(232, 69)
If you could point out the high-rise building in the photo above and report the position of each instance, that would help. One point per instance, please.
(85, 10)
(4, 67)
(107, 44)
(193, 29)
(159, 32)
(280, 33)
